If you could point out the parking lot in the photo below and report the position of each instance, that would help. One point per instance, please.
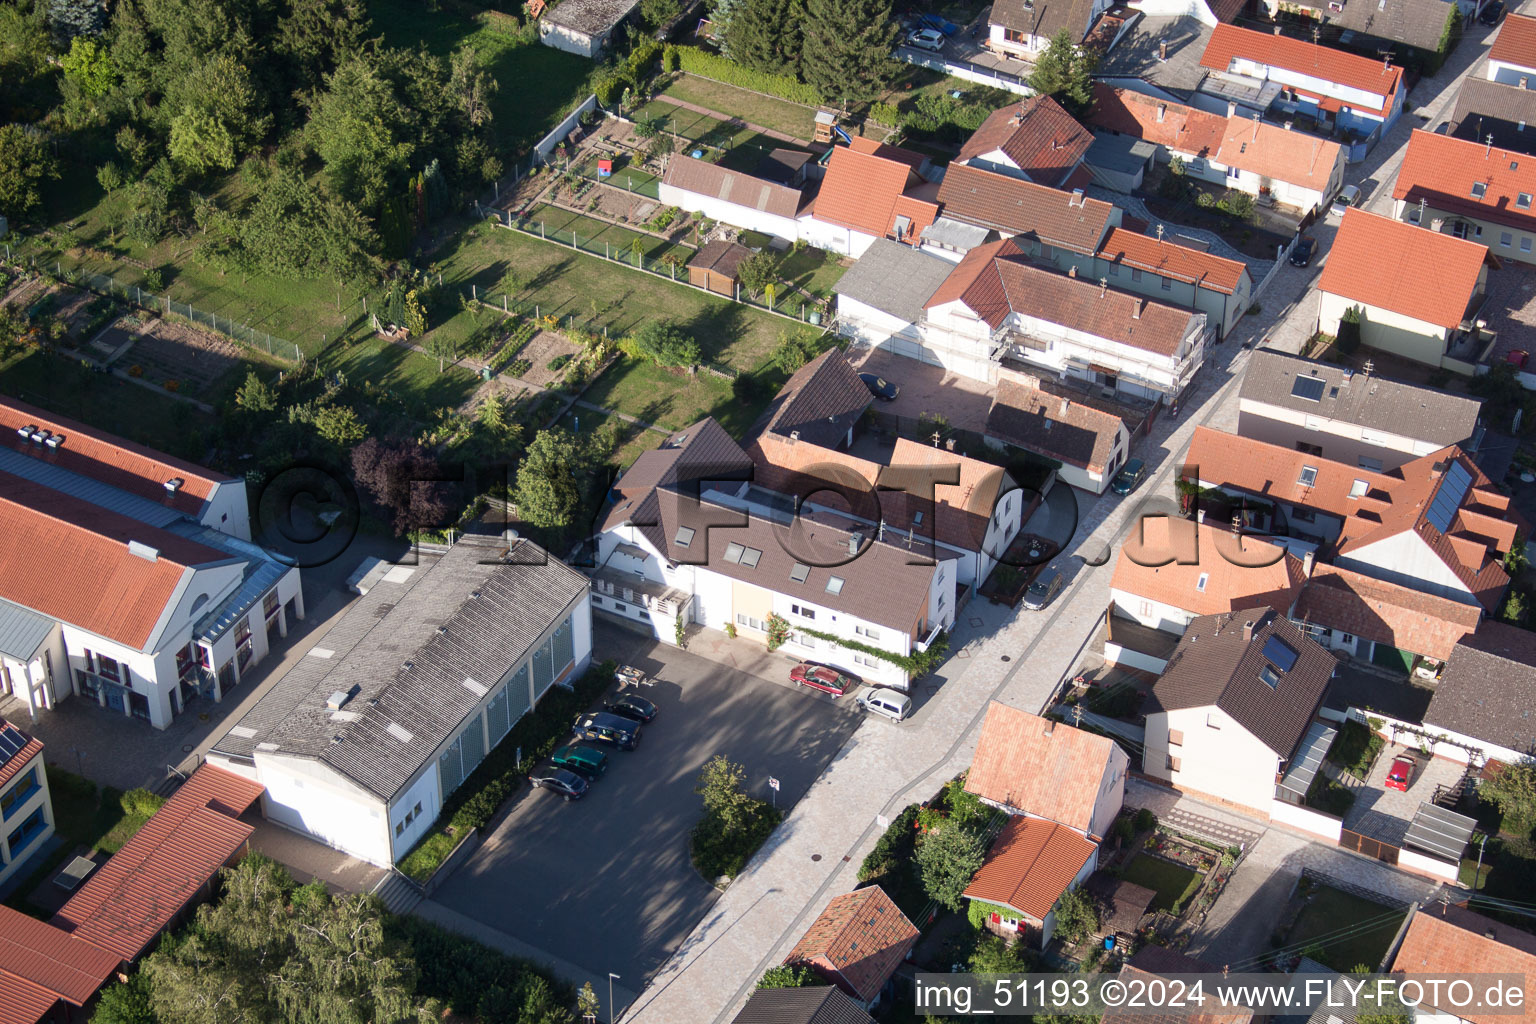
(1385, 814)
(605, 883)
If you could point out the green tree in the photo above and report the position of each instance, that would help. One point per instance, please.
(297, 229)
(218, 115)
(315, 35)
(125, 1003)
(757, 271)
(26, 160)
(1064, 72)
(471, 86)
(757, 36)
(994, 955)
(551, 479)
(948, 858)
(664, 344)
(1513, 609)
(1348, 338)
(200, 142)
(788, 976)
(89, 65)
(719, 783)
(255, 395)
(339, 424)
(1076, 916)
(587, 1003)
(846, 52)
(364, 131)
(1513, 792)
(658, 13)
(71, 18)
(796, 347)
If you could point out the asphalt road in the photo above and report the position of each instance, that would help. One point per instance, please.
(605, 882)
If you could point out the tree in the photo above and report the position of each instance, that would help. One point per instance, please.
(1514, 607)
(339, 424)
(551, 479)
(298, 230)
(315, 35)
(995, 955)
(1076, 916)
(658, 13)
(471, 86)
(405, 480)
(125, 1003)
(25, 161)
(755, 35)
(1063, 72)
(218, 115)
(255, 395)
(796, 347)
(587, 1004)
(1348, 338)
(719, 783)
(364, 131)
(788, 976)
(664, 344)
(757, 270)
(846, 52)
(71, 18)
(1513, 791)
(89, 65)
(948, 859)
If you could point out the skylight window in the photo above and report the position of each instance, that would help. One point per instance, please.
(1205, 578)
(733, 552)
(750, 556)
(1523, 200)
(799, 572)
(1308, 476)
(835, 584)
(684, 536)
(1310, 388)
(1270, 676)
(1479, 189)
(1358, 489)
(1281, 653)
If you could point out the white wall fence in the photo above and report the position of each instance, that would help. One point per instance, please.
(977, 73)
(1284, 253)
(548, 143)
(1324, 826)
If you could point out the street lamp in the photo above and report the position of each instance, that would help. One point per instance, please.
(611, 978)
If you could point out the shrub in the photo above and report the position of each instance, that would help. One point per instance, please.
(661, 342)
(519, 367)
(747, 387)
(140, 802)
(1146, 821)
(707, 65)
(556, 364)
(948, 859)
(730, 630)
(894, 849)
(671, 60)
(154, 279)
(461, 971)
(1076, 916)
(885, 113)
(785, 976)
(1348, 338)
(734, 824)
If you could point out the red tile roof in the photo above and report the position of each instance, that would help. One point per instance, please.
(1454, 940)
(885, 151)
(1066, 429)
(1018, 207)
(1441, 171)
(1170, 259)
(1030, 866)
(1386, 613)
(1516, 43)
(131, 898)
(1271, 151)
(48, 958)
(1403, 268)
(1037, 135)
(857, 943)
(110, 459)
(1228, 42)
(12, 767)
(1040, 767)
(69, 559)
(1172, 125)
(22, 1002)
(860, 191)
(1212, 571)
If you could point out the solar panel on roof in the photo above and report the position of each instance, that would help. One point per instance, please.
(1310, 388)
(1447, 499)
(1280, 653)
(11, 742)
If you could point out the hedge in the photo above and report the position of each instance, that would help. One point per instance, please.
(465, 973)
(708, 65)
(914, 664)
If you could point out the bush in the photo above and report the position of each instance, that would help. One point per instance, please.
(894, 849)
(461, 971)
(707, 65)
(671, 60)
(734, 824)
(785, 976)
(1076, 916)
(1146, 821)
(556, 364)
(948, 859)
(1348, 338)
(662, 343)
(748, 388)
(154, 279)
(140, 803)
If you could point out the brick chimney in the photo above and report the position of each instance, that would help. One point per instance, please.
(1248, 631)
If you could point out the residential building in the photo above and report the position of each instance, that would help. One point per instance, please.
(48, 976)
(1034, 139)
(360, 743)
(1051, 224)
(1453, 941)
(1435, 525)
(1226, 718)
(856, 944)
(822, 403)
(689, 535)
(1505, 112)
(1418, 293)
(1246, 154)
(1410, 30)
(1159, 962)
(1384, 623)
(1160, 268)
(26, 810)
(731, 197)
(870, 190)
(880, 299)
(998, 304)
(1023, 28)
(814, 1004)
(1028, 765)
(1029, 868)
(1471, 190)
(1257, 70)
(1159, 55)
(1079, 431)
(1359, 419)
(1481, 708)
(584, 27)
(1512, 58)
(1173, 571)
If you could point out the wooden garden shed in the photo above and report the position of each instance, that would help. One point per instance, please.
(714, 266)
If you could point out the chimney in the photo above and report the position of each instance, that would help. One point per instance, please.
(1232, 106)
(1248, 631)
(949, 444)
(1050, 726)
(853, 543)
(1162, 54)
(794, 435)
(1523, 79)
(1162, 108)
(1072, 270)
(1307, 561)
(1066, 404)
(1136, 309)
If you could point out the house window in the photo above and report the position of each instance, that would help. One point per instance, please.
(865, 660)
(1358, 489)
(733, 552)
(1114, 270)
(1308, 476)
(399, 828)
(1135, 274)
(1523, 200)
(108, 668)
(1174, 763)
(1347, 639)
(269, 605)
(18, 794)
(1374, 465)
(1013, 35)
(1234, 173)
(752, 623)
(1302, 515)
(26, 832)
(1479, 189)
(1167, 284)
(803, 640)
(1146, 609)
(1270, 676)
(1506, 239)
(1309, 449)
(621, 607)
(750, 556)
(868, 632)
(1175, 737)
(1200, 583)
(1525, 243)
(804, 613)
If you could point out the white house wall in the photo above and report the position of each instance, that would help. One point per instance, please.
(567, 39)
(12, 861)
(227, 511)
(826, 235)
(1111, 794)
(735, 214)
(1510, 74)
(1152, 614)
(1386, 330)
(1405, 559)
(870, 326)
(1217, 758)
(1360, 101)
(1048, 926)
(309, 797)
(426, 791)
(1340, 440)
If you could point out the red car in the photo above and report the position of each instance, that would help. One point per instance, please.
(1401, 774)
(822, 678)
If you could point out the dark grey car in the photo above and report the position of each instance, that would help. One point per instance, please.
(1046, 585)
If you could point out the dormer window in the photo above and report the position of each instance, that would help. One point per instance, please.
(1479, 189)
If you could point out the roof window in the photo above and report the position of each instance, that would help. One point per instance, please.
(1358, 489)
(835, 584)
(1523, 200)
(1308, 476)
(799, 572)
(750, 557)
(684, 536)
(733, 552)
(1205, 578)
(1479, 189)
(1270, 676)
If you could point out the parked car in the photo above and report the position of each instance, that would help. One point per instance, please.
(581, 760)
(1129, 478)
(1400, 775)
(927, 39)
(1301, 255)
(628, 705)
(820, 677)
(880, 701)
(1348, 196)
(880, 387)
(1492, 13)
(567, 784)
(1045, 586)
(602, 727)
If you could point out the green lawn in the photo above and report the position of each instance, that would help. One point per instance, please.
(602, 238)
(405, 374)
(633, 440)
(1172, 883)
(765, 111)
(810, 270)
(1368, 929)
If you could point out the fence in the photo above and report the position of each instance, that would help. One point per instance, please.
(548, 143)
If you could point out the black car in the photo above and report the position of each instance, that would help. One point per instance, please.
(600, 727)
(1301, 255)
(567, 784)
(628, 705)
(880, 387)
(1492, 13)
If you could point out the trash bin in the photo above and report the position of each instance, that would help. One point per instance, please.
(815, 316)
(485, 373)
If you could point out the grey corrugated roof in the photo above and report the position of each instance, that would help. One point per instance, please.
(1214, 665)
(955, 234)
(1485, 108)
(895, 278)
(1488, 688)
(1379, 403)
(592, 17)
(490, 612)
(1417, 23)
(1123, 153)
(810, 1005)
(22, 630)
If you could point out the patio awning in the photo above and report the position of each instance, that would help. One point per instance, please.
(1308, 761)
(1440, 832)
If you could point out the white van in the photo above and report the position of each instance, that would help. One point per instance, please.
(879, 701)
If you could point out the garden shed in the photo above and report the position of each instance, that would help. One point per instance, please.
(714, 266)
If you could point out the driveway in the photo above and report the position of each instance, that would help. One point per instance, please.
(1385, 814)
(606, 883)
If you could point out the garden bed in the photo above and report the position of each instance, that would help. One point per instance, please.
(1172, 882)
(164, 351)
(540, 350)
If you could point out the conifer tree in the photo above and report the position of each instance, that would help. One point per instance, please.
(846, 52)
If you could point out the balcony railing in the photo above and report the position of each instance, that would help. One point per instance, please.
(642, 593)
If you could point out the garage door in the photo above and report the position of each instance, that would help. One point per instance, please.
(1390, 657)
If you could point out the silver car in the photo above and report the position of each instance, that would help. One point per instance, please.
(927, 39)
(1045, 586)
(880, 701)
